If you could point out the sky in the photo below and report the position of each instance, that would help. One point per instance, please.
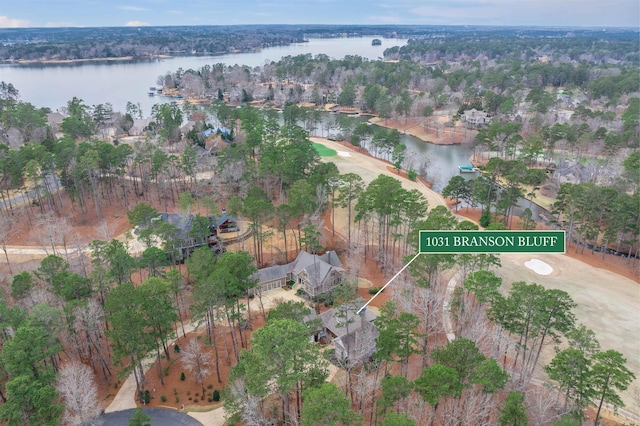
(110, 13)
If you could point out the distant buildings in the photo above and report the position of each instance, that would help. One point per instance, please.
(475, 117)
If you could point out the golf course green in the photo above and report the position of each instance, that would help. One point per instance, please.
(323, 151)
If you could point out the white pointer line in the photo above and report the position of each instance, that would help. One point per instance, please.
(389, 282)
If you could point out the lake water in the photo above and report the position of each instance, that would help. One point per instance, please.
(442, 160)
(52, 85)
(118, 82)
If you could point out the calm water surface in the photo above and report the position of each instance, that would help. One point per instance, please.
(53, 85)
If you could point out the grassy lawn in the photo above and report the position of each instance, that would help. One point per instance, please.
(323, 151)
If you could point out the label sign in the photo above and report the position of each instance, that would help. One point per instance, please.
(454, 242)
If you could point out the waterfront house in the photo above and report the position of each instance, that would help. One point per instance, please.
(475, 117)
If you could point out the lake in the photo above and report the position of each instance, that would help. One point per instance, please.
(118, 82)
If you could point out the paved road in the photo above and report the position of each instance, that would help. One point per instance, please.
(158, 416)
(51, 182)
(124, 401)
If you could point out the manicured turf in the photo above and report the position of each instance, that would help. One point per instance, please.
(323, 151)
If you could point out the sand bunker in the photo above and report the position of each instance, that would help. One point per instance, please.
(344, 154)
(539, 267)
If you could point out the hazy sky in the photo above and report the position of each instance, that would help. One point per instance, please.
(93, 13)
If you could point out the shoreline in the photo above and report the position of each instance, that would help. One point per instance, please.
(413, 127)
(614, 264)
(79, 61)
(362, 159)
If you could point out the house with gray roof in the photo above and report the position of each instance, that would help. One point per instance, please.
(185, 242)
(139, 126)
(475, 117)
(353, 334)
(315, 274)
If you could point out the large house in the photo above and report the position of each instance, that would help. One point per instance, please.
(475, 117)
(315, 274)
(353, 335)
(185, 242)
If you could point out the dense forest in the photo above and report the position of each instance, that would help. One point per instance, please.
(428, 43)
(43, 44)
(88, 313)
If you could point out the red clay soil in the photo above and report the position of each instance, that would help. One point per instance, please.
(86, 225)
(188, 392)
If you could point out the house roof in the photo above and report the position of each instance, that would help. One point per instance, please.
(474, 113)
(317, 267)
(360, 341)
(368, 331)
(332, 258)
(219, 220)
(139, 125)
(336, 325)
(187, 126)
(184, 222)
(202, 152)
(55, 118)
(273, 273)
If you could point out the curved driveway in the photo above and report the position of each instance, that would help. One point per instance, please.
(159, 417)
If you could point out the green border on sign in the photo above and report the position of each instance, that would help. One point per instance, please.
(525, 242)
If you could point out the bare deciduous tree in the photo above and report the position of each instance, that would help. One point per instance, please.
(425, 302)
(543, 405)
(248, 407)
(197, 361)
(79, 258)
(49, 222)
(89, 326)
(6, 227)
(39, 295)
(105, 230)
(79, 391)
(473, 324)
